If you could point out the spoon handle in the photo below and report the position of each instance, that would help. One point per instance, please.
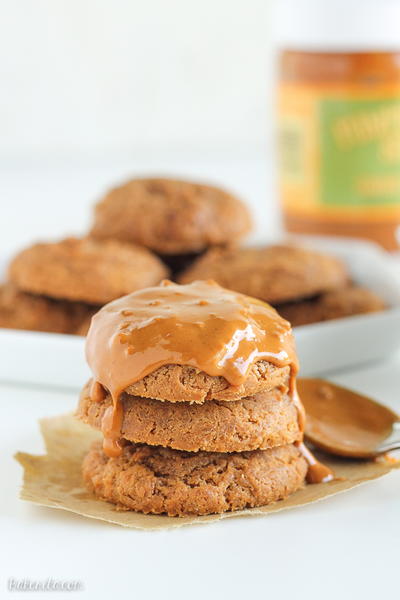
(393, 441)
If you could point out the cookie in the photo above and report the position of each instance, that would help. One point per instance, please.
(263, 421)
(85, 270)
(274, 274)
(171, 216)
(157, 480)
(190, 344)
(336, 304)
(19, 310)
(181, 383)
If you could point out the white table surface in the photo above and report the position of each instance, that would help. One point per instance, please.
(346, 547)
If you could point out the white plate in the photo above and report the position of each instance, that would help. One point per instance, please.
(58, 360)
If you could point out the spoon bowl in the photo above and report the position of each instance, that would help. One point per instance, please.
(345, 423)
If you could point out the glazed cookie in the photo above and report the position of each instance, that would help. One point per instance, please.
(190, 343)
(274, 274)
(336, 304)
(157, 480)
(181, 383)
(85, 270)
(19, 310)
(258, 422)
(171, 216)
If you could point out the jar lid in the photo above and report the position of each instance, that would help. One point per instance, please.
(337, 25)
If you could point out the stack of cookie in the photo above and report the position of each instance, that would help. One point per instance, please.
(194, 390)
(303, 285)
(58, 286)
(178, 220)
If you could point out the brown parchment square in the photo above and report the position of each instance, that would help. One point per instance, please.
(55, 480)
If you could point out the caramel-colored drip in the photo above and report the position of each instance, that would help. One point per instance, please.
(111, 429)
(201, 325)
(301, 414)
(316, 472)
(111, 422)
(97, 392)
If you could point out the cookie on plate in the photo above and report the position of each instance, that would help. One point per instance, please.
(19, 310)
(85, 270)
(158, 480)
(344, 302)
(171, 217)
(275, 274)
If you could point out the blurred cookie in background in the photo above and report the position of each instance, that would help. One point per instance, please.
(58, 286)
(275, 274)
(345, 302)
(85, 270)
(176, 219)
(19, 310)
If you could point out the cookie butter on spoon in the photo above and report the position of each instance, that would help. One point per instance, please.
(168, 362)
(346, 423)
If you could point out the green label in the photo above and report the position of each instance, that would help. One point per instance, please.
(360, 152)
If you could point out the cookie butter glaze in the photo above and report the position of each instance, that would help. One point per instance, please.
(316, 472)
(344, 422)
(202, 325)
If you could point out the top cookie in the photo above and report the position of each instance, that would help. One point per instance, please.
(274, 274)
(171, 216)
(337, 304)
(190, 343)
(85, 270)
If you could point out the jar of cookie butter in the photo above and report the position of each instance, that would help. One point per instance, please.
(339, 117)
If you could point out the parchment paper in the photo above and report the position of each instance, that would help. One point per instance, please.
(55, 480)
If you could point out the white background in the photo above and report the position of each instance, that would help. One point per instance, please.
(97, 76)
